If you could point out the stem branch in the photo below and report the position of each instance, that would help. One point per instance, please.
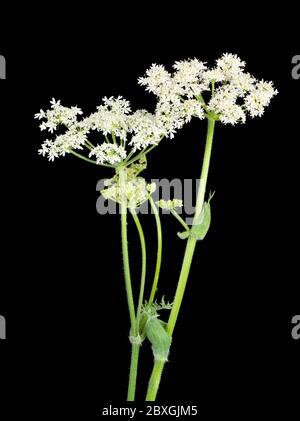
(143, 273)
(159, 250)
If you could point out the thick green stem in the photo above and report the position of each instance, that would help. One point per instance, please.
(191, 243)
(135, 350)
(159, 250)
(187, 260)
(154, 381)
(126, 255)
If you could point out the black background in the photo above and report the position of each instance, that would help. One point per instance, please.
(62, 290)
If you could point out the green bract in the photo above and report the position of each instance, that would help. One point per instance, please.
(159, 338)
(201, 224)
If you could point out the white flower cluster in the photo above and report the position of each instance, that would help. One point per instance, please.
(57, 116)
(234, 93)
(225, 92)
(173, 115)
(75, 135)
(137, 191)
(113, 120)
(187, 80)
(146, 129)
(108, 153)
(112, 117)
(72, 139)
(169, 204)
(172, 111)
(259, 98)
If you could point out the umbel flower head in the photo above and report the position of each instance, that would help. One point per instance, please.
(135, 190)
(234, 93)
(224, 92)
(121, 132)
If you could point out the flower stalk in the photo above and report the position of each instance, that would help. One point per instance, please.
(134, 347)
(155, 378)
(159, 250)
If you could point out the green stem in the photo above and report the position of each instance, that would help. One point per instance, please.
(129, 156)
(78, 155)
(88, 146)
(127, 276)
(178, 217)
(143, 273)
(139, 155)
(159, 250)
(126, 257)
(135, 348)
(200, 98)
(185, 269)
(154, 380)
(213, 88)
(135, 351)
(90, 143)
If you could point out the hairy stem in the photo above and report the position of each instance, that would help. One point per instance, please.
(135, 348)
(143, 272)
(127, 276)
(159, 250)
(135, 351)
